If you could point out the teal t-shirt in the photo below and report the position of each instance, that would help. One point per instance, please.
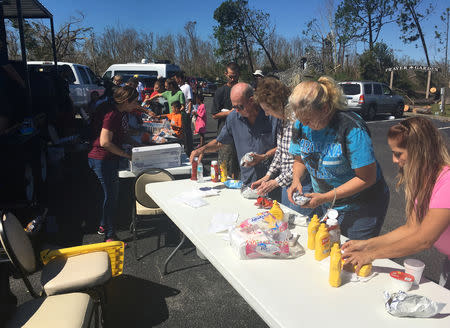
(332, 154)
(171, 98)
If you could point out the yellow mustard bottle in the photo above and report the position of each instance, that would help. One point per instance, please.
(276, 211)
(313, 226)
(322, 244)
(365, 270)
(223, 172)
(335, 266)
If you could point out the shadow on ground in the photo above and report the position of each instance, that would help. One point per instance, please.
(134, 301)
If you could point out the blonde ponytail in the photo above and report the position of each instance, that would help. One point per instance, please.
(309, 98)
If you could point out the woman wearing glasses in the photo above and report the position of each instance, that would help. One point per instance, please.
(424, 169)
(335, 147)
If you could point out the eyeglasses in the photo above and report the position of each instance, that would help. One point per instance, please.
(239, 107)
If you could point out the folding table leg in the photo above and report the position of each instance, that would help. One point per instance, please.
(183, 239)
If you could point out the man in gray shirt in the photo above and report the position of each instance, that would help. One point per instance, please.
(250, 130)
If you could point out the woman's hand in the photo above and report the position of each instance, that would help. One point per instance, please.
(357, 253)
(295, 186)
(316, 200)
(267, 187)
(257, 183)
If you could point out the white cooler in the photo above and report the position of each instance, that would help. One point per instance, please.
(159, 156)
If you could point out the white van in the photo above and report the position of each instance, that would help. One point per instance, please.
(82, 81)
(163, 69)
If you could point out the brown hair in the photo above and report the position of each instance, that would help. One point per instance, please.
(310, 97)
(272, 92)
(125, 93)
(234, 67)
(172, 83)
(427, 154)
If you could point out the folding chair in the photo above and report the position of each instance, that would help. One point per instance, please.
(75, 310)
(143, 204)
(85, 272)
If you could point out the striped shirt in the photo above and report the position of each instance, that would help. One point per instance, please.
(282, 160)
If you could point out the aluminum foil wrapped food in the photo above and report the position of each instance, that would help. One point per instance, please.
(247, 158)
(401, 304)
(249, 193)
(300, 199)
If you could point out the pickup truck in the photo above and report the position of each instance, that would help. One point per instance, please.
(82, 81)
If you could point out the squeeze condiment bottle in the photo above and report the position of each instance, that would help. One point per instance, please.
(335, 266)
(194, 169)
(334, 230)
(313, 226)
(322, 244)
(223, 172)
(214, 171)
(365, 270)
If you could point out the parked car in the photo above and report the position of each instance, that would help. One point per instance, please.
(370, 98)
(82, 81)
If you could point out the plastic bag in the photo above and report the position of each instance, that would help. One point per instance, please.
(265, 235)
(233, 184)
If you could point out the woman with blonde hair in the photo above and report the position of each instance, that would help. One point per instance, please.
(272, 95)
(335, 147)
(110, 128)
(424, 170)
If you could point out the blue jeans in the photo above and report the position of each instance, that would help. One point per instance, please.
(106, 171)
(365, 221)
(307, 188)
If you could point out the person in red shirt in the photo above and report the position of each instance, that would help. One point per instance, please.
(110, 127)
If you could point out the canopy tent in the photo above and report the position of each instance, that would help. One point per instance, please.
(20, 10)
(30, 9)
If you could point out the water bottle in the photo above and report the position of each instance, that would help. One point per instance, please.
(200, 173)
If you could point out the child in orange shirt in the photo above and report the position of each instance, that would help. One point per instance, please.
(175, 119)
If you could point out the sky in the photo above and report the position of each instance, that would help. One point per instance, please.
(162, 17)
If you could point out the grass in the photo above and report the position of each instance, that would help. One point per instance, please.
(435, 109)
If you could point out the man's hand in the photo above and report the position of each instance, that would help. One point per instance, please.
(257, 158)
(197, 153)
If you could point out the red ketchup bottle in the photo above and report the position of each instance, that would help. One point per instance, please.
(214, 171)
(194, 169)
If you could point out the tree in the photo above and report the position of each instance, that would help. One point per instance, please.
(443, 37)
(234, 40)
(374, 62)
(365, 18)
(239, 29)
(409, 20)
(70, 36)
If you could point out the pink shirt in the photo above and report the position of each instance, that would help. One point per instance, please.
(440, 199)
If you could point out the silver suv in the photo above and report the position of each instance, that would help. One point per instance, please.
(371, 98)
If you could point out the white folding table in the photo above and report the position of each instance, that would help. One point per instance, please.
(294, 292)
